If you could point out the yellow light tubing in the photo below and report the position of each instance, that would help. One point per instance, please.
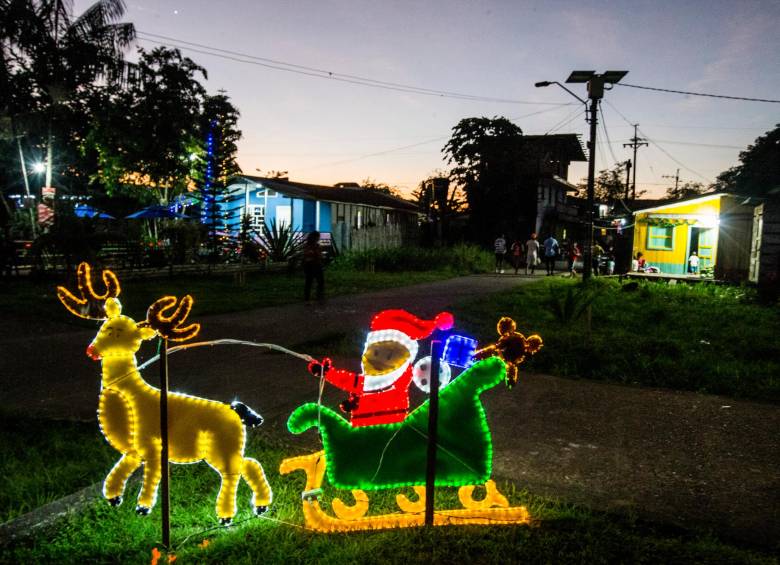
(129, 408)
(493, 509)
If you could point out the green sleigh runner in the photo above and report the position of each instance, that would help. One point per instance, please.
(394, 455)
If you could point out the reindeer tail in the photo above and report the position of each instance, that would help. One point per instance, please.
(248, 416)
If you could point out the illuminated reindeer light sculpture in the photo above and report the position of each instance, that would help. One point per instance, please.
(129, 408)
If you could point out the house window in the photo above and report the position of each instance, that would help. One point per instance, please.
(661, 238)
(256, 213)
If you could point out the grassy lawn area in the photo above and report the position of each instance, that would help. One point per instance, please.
(706, 338)
(560, 532)
(213, 294)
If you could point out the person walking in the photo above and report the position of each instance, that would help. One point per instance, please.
(500, 248)
(531, 253)
(312, 266)
(517, 251)
(598, 251)
(551, 248)
(574, 256)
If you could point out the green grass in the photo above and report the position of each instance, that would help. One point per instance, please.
(561, 532)
(41, 461)
(213, 294)
(704, 338)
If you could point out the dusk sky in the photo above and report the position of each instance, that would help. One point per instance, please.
(324, 131)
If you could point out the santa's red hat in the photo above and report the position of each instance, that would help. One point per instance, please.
(405, 328)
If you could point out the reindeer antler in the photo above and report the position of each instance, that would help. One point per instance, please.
(90, 304)
(169, 326)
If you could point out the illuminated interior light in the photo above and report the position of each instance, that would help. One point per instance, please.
(128, 408)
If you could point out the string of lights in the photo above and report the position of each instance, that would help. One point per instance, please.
(305, 70)
(688, 93)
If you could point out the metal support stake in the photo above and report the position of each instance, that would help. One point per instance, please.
(164, 481)
(433, 417)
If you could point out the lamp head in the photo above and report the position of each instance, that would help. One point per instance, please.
(542, 83)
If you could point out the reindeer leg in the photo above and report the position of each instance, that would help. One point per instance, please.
(152, 475)
(253, 474)
(114, 485)
(226, 499)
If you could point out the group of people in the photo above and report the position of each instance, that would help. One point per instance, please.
(532, 253)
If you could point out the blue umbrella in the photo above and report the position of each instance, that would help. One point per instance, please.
(87, 211)
(156, 211)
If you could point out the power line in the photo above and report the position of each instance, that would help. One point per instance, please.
(401, 148)
(699, 93)
(606, 136)
(565, 121)
(279, 65)
(656, 145)
(683, 165)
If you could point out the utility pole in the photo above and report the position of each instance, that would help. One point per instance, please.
(628, 176)
(636, 142)
(596, 89)
(676, 178)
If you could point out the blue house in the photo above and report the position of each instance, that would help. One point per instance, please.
(348, 216)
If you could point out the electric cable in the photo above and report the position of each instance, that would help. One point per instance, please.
(656, 145)
(669, 90)
(324, 73)
(606, 136)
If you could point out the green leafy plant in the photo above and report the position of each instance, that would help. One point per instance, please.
(569, 303)
(281, 242)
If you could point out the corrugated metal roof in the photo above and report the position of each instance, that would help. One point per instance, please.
(349, 195)
(568, 144)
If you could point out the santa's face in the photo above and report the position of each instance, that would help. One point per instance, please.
(383, 357)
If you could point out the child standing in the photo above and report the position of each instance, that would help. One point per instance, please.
(693, 263)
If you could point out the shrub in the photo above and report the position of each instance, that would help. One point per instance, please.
(460, 259)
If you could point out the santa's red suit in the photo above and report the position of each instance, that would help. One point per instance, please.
(383, 399)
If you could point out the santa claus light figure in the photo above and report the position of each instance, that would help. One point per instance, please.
(380, 393)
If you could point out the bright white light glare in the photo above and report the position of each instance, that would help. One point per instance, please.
(193, 156)
(39, 167)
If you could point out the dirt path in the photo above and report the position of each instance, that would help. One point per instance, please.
(682, 458)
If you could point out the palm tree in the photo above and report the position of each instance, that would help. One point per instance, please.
(59, 54)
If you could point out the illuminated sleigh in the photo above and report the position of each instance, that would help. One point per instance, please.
(389, 456)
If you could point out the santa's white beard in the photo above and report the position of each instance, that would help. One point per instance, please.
(378, 382)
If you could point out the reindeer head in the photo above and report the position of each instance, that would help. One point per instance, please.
(121, 336)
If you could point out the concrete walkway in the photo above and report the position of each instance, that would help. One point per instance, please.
(681, 458)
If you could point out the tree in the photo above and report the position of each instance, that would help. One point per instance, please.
(438, 200)
(685, 190)
(491, 168)
(369, 184)
(148, 136)
(608, 186)
(759, 170)
(216, 163)
(52, 55)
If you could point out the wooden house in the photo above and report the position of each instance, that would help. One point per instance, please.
(718, 227)
(348, 216)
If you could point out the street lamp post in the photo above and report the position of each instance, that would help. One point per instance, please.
(595, 84)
